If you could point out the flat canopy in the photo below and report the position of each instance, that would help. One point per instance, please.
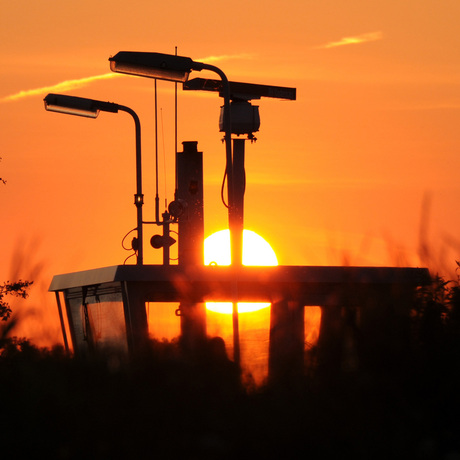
(310, 284)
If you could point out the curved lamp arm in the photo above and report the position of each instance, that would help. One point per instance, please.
(90, 108)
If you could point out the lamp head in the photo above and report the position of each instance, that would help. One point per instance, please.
(80, 106)
(154, 65)
(70, 105)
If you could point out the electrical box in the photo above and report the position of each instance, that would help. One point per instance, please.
(244, 117)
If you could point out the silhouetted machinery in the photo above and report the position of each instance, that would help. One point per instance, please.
(105, 308)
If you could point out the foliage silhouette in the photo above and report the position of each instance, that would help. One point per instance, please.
(17, 289)
(3, 181)
(164, 404)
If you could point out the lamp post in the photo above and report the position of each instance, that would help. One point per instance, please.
(90, 108)
(177, 69)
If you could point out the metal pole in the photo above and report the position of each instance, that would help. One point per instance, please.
(239, 186)
(189, 192)
(237, 226)
(61, 319)
(166, 251)
(157, 198)
(228, 146)
(234, 257)
(138, 197)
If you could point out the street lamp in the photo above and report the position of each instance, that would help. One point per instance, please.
(154, 65)
(90, 108)
(177, 68)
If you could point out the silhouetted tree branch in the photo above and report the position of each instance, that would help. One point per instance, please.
(2, 180)
(17, 289)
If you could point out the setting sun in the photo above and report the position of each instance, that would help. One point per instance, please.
(256, 252)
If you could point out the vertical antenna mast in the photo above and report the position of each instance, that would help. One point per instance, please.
(175, 128)
(157, 198)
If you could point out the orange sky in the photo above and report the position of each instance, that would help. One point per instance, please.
(339, 175)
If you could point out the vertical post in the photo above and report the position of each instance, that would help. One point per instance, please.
(287, 337)
(61, 319)
(166, 216)
(239, 186)
(137, 330)
(330, 341)
(227, 124)
(236, 221)
(189, 164)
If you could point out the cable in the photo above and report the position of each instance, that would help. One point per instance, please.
(222, 189)
(128, 249)
(124, 238)
(129, 257)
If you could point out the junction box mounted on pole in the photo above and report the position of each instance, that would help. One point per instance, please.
(245, 117)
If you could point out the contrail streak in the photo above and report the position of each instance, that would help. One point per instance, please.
(58, 87)
(78, 83)
(225, 57)
(363, 38)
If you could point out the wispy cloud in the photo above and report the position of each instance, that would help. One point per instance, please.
(362, 38)
(225, 57)
(58, 87)
(79, 83)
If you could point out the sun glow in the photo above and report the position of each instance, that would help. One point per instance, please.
(256, 252)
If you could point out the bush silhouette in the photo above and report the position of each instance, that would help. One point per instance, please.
(164, 404)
